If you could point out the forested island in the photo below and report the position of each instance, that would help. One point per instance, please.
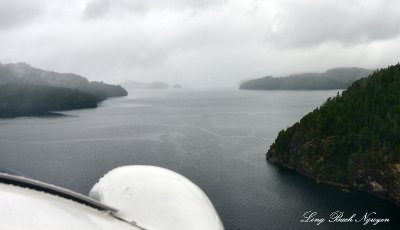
(351, 140)
(177, 86)
(338, 78)
(25, 90)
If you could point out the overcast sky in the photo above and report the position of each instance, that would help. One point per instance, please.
(207, 43)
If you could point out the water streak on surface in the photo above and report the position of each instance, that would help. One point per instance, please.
(217, 139)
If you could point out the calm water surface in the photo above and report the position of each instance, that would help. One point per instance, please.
(217, 139)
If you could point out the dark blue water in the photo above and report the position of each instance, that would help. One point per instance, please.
(218, 139)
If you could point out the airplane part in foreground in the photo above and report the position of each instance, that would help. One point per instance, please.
(129, 197)
(156, 198)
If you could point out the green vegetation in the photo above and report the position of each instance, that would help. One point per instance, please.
(23, 73)
(353, 138)
(103, 91)
(25, 90)
(28, 99)
(339, 78)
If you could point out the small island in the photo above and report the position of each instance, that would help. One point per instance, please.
(177, 86)
(338, 78)
(26, 91)
(143, 85)
(352, 140)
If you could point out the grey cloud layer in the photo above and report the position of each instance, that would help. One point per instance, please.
(297, 23)
(16, 12)
(307, 23)
(100, 8)
(198, 42)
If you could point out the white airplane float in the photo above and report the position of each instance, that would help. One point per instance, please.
(128, 197)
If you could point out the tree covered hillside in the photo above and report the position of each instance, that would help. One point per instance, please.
(24, 73)
(25, 90)
(353, 138)
(338, 78)
(28, 99)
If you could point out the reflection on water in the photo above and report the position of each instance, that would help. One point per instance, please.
(218, 139)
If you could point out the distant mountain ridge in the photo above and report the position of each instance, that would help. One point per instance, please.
(337, 78)
(25, 91)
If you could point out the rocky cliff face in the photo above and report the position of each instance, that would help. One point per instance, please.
(352, 140)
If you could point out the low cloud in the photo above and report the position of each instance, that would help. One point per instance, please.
(349, 22)
(198, 42)
(100, 8)
(14, 13)
(96, 9)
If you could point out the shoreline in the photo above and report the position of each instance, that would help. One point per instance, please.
(56, 113)
(330, 183)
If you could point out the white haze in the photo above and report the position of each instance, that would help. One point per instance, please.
(198, 43)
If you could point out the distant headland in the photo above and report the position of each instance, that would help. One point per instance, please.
(26, 91)
(337, 78)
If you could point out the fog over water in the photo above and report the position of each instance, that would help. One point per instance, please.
(198, 43)
(207, 130)
(217, 139)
